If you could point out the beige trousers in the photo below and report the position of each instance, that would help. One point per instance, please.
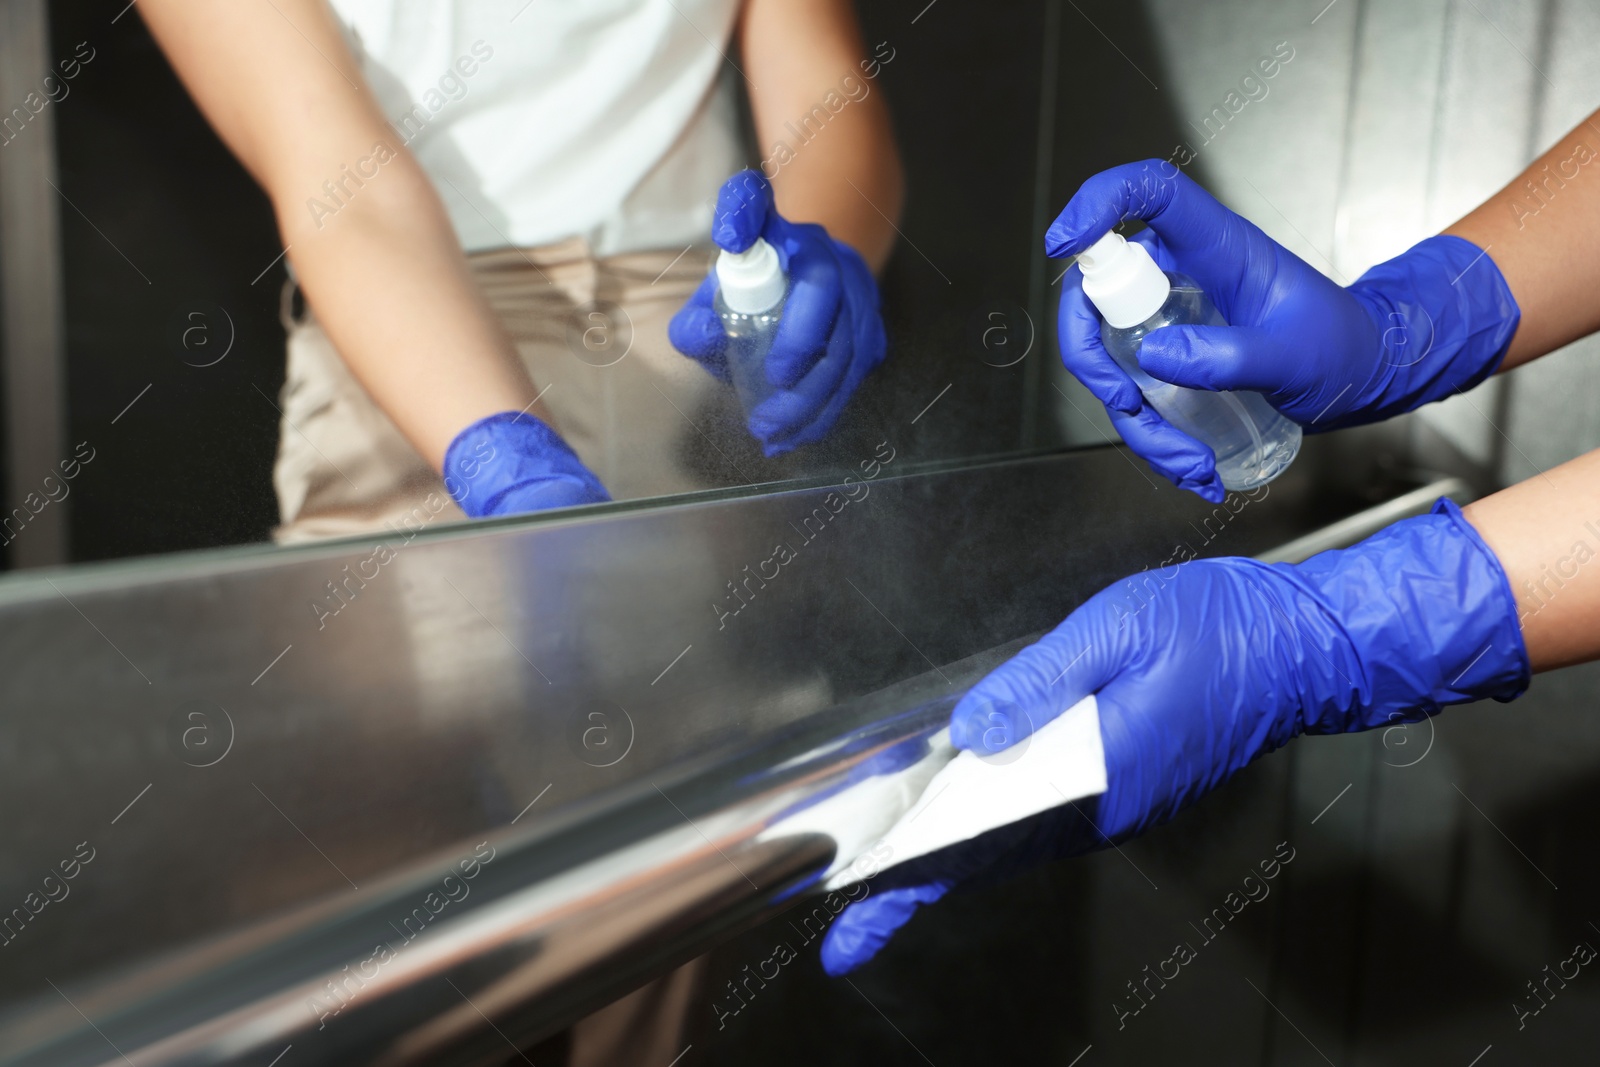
(592, 333)
(650, 1027)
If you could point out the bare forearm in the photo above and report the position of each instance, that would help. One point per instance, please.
(379, 261)
(391, 288)
(813, 92)
(1542, 231)
(1546, 532)
(855, 191)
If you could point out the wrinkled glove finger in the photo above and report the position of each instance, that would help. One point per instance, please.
(1083, 655)
(542, 494)
(1227, 357)
(1158, 251)
(861, 289)
(811, 313)
(697, 332)
(1185, 216)
(743, 205)
(1171, 453)
(513, 462)
(1029, 690)
(867, 348)
(779, 420)
(866, 926)
(823, 422)
(1085, 356)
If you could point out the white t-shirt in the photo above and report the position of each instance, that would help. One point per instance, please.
(540, 120)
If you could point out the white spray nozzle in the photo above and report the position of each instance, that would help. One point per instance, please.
(752, 281)
(1122, 281)
(1102, 252)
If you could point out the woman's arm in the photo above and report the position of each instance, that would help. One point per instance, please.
(385, 272)
(1546, 533)
(1542, 231)
(846, 175)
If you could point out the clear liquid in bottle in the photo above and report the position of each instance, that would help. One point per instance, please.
(749, 339)
(1252, 441)
(751, 287)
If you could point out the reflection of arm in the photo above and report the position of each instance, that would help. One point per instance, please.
(800, 56)
(384, 272)
(1543, 232)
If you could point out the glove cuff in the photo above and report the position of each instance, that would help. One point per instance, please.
(1430, 616)
(512, 462)
(1445, 317)
(1503, 670)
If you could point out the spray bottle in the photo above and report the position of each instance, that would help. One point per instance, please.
(751, 286)
(1252, 442)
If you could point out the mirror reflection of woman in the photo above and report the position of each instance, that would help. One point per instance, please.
(493, 210)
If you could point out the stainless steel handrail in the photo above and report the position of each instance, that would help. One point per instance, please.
(1364, 524)
(311, 887)
(547, 949)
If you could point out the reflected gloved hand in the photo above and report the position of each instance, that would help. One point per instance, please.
(511, 463)
(1202, 667)
(1429, 323)
(829, 338)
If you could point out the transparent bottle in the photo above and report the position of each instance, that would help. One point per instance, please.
(1252, 442)
(751, 286)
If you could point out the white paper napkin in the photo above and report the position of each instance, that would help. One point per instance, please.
(1060, 762)
(950, 795)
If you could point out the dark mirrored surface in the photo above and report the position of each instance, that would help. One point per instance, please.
(164, 364)
(217, 410)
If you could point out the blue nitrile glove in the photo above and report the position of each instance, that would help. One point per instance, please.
(512, 462)
(1202, 667)
(1433, 321)
(830, 337)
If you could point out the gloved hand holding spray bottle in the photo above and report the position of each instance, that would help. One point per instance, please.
(1252, 443)
(1429, 323)
(1232, 658)
(789, 316)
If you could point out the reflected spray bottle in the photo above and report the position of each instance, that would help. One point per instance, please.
(1253, 443)
(751, 286)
